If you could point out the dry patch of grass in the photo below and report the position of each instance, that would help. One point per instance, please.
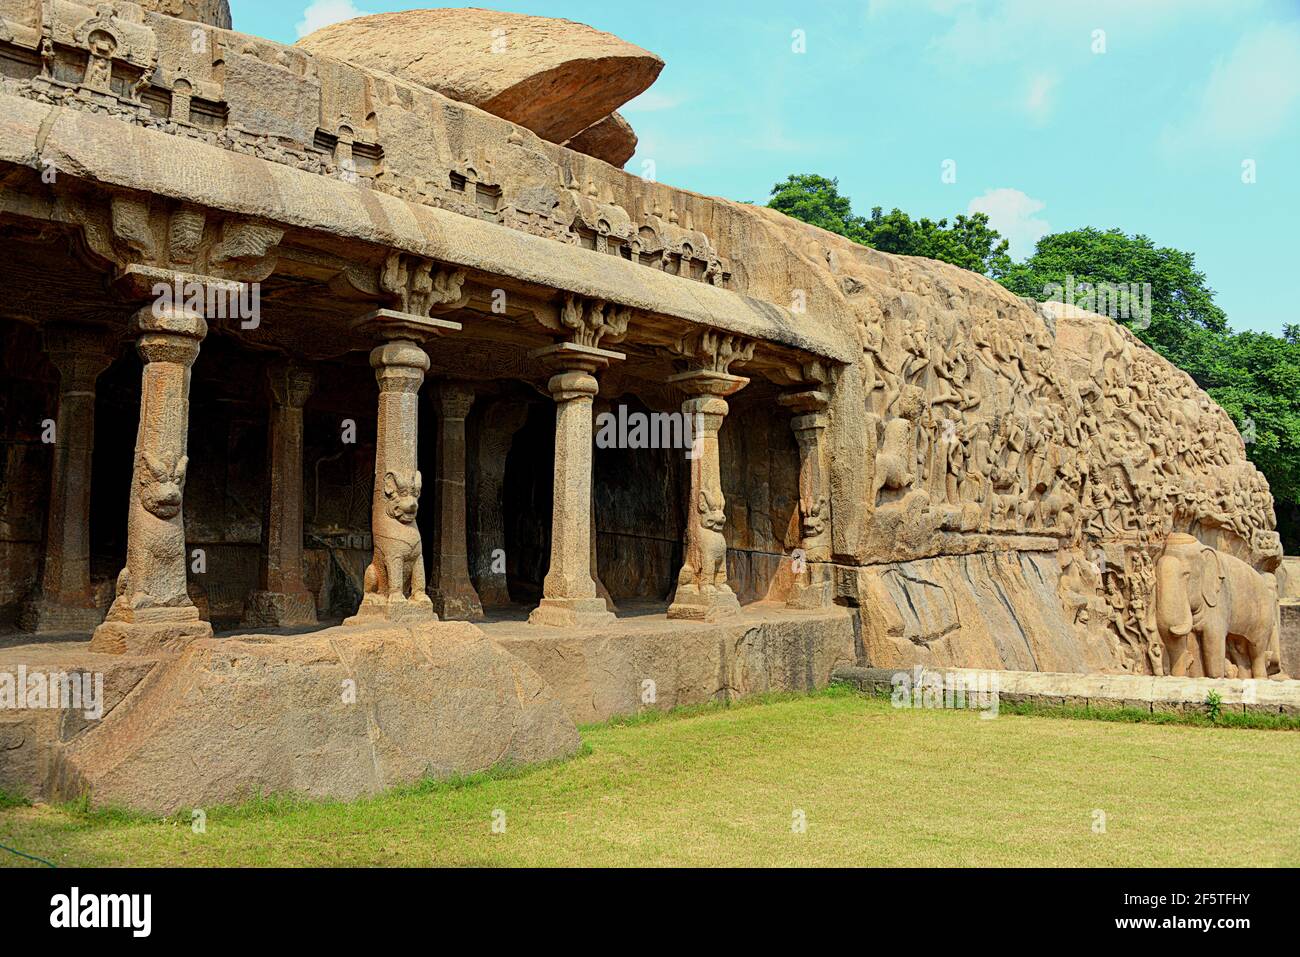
(876, 786)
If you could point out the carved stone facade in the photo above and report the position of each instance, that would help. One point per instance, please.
(981, 480)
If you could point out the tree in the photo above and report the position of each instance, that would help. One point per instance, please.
(815, 199)
(1185, 323)
(969, 242)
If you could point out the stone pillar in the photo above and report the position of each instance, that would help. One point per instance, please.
(450, 587)
(599, 406)
(569, 595)
(499, 424)
(65, 601)
(282, 598)
(702, 589)
(394, 580)
(812, 578)
(153, 611)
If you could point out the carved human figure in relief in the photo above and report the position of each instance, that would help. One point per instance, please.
(397, 570)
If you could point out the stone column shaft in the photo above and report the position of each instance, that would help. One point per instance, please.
(282, 598)
(812, 579)
(153, 611)
(569, 595)
(394, 580)
(65, 601)
(450, 587)
(702, 588)
(568, 592)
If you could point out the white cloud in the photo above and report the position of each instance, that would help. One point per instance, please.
(1250, 95)
(1039, 100)
(1011, 213)
(321, 13)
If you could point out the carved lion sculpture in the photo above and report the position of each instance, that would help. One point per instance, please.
(713, 544)
(1220, 598)
(162, 487)
(397, 571)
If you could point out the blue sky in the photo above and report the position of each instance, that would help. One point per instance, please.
(1150, 125)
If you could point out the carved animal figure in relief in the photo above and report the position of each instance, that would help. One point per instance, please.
(1220, 598)
(161, 489)
(397, 570)
(896, 459)
(711, 570)
(162, 486)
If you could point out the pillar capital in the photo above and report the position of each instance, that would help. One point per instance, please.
(707, 382)
(399, 365)
(168, 334)
(454, 398)
(291, 383)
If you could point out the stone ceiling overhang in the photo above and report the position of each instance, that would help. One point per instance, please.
(102, 150)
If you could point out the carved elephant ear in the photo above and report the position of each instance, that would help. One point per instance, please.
(390, 484)
(417, 483)
(1211, 577)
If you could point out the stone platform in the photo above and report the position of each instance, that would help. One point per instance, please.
(1143, 692)
(603, 672)
(344, 711)
(336, 713)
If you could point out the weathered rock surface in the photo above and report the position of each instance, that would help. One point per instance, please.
(555, 77)
(215, 13)
(611, 139)
(234, 718)
(987, 610)
(655, 663)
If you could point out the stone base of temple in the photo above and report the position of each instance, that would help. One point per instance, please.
(457, 603)
(273, 609)
(695, 604)
(571, 613)
(376, 610)
(645, 660)
(148, 637)
(45, 617)
(337, 713)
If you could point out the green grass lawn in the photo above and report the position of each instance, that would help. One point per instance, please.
(876, 786)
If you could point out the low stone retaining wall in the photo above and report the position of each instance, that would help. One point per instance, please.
(1143, 692)
(650, 661)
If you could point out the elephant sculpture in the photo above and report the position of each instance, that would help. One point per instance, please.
(1220, 598)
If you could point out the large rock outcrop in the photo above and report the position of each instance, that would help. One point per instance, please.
(555, 77)
(338, 713)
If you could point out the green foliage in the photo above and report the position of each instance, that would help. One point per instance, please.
(968, 242)
(1214, 705)
(1185, 321)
